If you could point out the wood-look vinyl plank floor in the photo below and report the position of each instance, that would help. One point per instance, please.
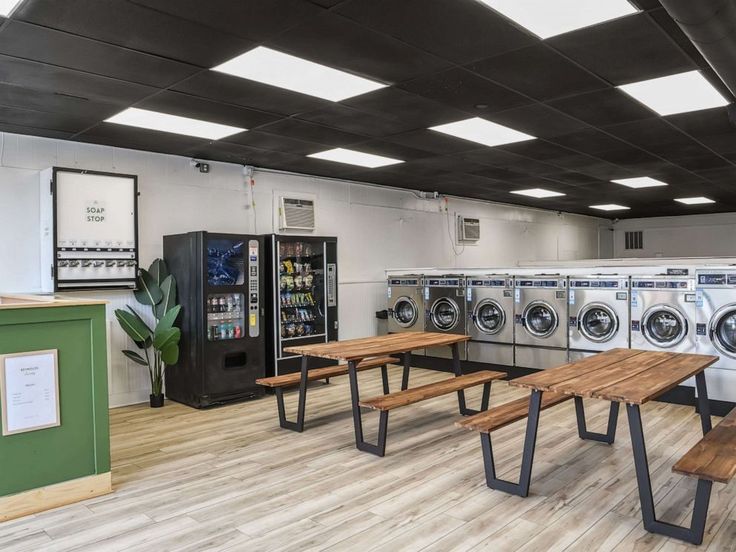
(229, 479)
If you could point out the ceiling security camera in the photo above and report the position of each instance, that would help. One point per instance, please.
(203, 167)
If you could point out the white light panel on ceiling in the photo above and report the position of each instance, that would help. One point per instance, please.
(640, 182)
(7, 6)
(538, 193)
(546, 18)
(268, 66)
(700, 200)
(352, 157)
(610, 207)
(153, 120)
(679, 93)
(483, 132)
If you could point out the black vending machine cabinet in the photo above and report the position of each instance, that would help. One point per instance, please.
(220, 280)
(302, 292)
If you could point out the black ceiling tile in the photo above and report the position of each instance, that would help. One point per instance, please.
(46, 45)
(352, 120)
(31, 131)
(711, 127)
(420, 167)
(274, 142)
(604, 107)
(139, 138)
(42, 119)
(632, 157)
(432, 141)
(52, 102)
(505, 175)
(337, 42)
(248, 93)
(537, 120)
(31, 74)
(301, 130)
(146, 30)
(320, 167)
(590, 141)
(720, 175)
(542, 150)
(653, 134)
(457, 31)
(539, 72)
(445, 163)
(255, 21)
(573, 178)
(386, 177)
(624, 50)
(186, 105)
(465, 90)
(236, 153)
(388, 149)
(496, 157)
(701, 162)
(405, 107)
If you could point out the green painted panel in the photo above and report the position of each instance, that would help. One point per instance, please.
(80, 446)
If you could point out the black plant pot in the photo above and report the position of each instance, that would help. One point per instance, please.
(157, 401)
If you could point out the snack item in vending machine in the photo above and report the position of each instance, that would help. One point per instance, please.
(298, 282)
(308, 281)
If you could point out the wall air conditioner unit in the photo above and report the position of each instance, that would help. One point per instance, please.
(468, 229)
(296, 214)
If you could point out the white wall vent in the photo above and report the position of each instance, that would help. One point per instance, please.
(634, 239)
(468, 229)
(296, 214)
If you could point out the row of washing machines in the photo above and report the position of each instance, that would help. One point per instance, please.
(545, 320)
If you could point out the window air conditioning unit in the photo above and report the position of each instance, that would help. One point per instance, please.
(468, 229)
(296, 214)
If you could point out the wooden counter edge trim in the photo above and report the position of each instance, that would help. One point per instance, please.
(52, 496)
(44, 301)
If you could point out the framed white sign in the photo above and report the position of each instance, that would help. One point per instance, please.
(29, 391)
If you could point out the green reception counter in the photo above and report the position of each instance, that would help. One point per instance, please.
(55, 438)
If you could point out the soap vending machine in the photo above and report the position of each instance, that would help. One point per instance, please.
(220, 280)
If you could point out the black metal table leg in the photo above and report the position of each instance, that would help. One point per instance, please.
(378, 449)
(405, 375)
(530, 442)
(461, 402)
(703, 402)
(301, 405)
(610, 436)
(384, 379)
(692, 534)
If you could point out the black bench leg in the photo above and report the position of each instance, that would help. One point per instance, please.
(703, 402)
(530, 441)
(378, 449)
(461, 403)
(610, 436)
(384, 379)
(405, 375)
(692, 534)
(301, 406)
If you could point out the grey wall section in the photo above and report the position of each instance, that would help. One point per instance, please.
(378, 228)
(685, 236)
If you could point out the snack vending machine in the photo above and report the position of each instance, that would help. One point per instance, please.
(220, 281)
(302, 290)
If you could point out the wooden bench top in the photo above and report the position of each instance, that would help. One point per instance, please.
(357, 349)
(623, 375)
(714, 457)
(431, 390)
(287, 380)
(500, 416)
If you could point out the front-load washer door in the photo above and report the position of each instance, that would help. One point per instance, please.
(444, 314)
(722, 330)
(405, 312)
(598, 322)
(489, 317)
(540, 319)
(664, 326)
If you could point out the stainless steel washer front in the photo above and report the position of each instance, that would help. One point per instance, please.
(599, 312)
(490, 322)
(446, 310)
(405, 303)
(664, 326)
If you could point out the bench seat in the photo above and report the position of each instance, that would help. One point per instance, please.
(288, 380)
(508, 413)
(714, 457)
(431, 390)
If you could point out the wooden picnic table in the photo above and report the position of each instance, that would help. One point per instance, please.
(628, 376)
(353, 351)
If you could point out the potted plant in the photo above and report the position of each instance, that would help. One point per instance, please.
(160, 345)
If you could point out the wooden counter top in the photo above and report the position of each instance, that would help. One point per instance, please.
(15, 301)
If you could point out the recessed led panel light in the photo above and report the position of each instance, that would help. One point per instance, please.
(153, 120)
(609, 207)
(352, 157)
(640, 182)
(679, 93)
(546, 18)
(7, 6)
(482, 131)
(694, 200)
(538, 193)
(296, 74)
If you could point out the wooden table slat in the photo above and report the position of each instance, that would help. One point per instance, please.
(650, 384)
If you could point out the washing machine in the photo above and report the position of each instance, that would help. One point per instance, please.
(663, 313)
(405, 306)
(490, 324)
(598, 314)
(715, 328)
(540, 335)
(445, 304)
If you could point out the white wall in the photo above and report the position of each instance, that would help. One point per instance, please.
(684, 236)
(377, 228)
